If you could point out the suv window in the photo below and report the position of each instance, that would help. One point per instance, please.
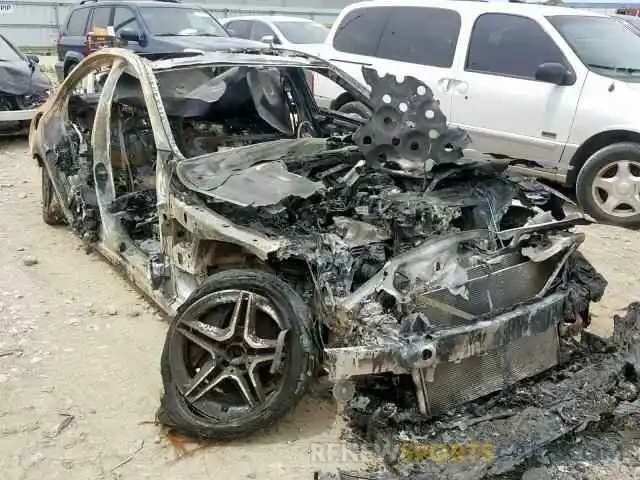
(261, 30)
(78, 22)
(125, 18)
(101, 17)
(239, 28)
(427, 36)
(510, 45)
(360, 30)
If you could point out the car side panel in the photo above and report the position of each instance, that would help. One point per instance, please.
(515, 116)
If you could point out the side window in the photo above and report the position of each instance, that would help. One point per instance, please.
(426, 36)
(510, 45)
(78, 22)
(261, 30)
(239, 28)
(360, 30)
(124, 19)
(101, 18)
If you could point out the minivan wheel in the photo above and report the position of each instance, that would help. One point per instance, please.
(608, 185)
(357, 109)
(237, 357)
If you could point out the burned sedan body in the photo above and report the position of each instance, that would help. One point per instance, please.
(23, 88)
(288, 241)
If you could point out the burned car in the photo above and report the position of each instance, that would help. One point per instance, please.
(289, 241)
(23, 88)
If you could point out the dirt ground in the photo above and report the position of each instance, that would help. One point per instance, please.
(80, 353)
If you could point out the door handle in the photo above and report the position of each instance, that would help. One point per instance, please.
(453, 86)
(444, 84)
(458, 87)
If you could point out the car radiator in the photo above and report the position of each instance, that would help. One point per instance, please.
(509, 282)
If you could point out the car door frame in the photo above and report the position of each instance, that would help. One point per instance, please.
(114, 243)
(93, 13)
(138, 20)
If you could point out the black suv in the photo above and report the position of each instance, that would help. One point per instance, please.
(146, 27)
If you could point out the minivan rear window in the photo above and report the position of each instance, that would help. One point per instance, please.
(360, 31)
(421, 35)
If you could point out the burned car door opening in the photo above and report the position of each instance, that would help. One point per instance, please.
(290, 241)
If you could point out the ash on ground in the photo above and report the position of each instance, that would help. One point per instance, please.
(580, 420)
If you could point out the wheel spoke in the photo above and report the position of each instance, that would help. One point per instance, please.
(235, 316)
(624, 172)
(634, 203)
(611, 204)
(244, 388)
(215, 382)
(249, 331)
(201, 342)
(252, 340)
(255, 379)
(205, 370)
(605, 183)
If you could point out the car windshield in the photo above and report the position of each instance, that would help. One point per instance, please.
(302, 32)
(605, 45)
(7, 52)
(181, 21)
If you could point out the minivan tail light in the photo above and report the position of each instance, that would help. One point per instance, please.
(59, 40)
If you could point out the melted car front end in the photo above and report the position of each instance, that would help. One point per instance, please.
(289, 241)
(419, 260)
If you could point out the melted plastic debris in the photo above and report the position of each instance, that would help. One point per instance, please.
(574, 421)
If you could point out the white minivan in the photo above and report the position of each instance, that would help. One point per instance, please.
(556, 90)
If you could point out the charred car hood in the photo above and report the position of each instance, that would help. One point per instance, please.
(17, 78)
(213, 43)
(252, 175)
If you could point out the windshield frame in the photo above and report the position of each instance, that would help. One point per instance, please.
(145, 12)
(618, 72)
(9, 47)
(286, 33)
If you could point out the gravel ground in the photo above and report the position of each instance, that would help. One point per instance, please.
(80, 354)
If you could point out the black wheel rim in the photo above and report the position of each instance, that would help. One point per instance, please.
(228, 354)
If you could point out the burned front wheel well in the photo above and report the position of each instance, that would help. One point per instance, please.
(595, 143)
(218, 256)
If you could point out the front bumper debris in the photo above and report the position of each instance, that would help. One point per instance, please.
(464, 363)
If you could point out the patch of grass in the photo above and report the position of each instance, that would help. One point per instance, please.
(50, 69)
(38, 50)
